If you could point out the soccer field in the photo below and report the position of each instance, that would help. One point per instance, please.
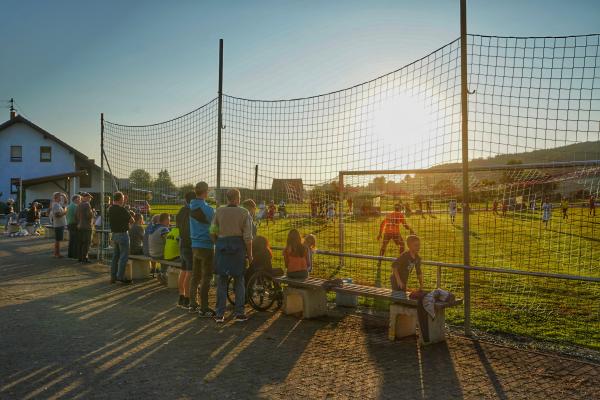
(562, 311)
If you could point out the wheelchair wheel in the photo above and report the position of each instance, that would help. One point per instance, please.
(262, 292)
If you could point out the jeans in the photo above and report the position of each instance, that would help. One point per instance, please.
(73, 242)
(240, 294)
(120, 255)
(202, 270)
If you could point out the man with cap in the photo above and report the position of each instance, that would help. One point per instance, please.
(201, 215)
(85, 222)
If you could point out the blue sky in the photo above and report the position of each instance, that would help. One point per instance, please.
(141, 62)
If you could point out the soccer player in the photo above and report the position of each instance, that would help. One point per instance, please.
(546, 211)
(592, 206)
(564, 205)
(495, 207)
(390, 229)
(452, 208)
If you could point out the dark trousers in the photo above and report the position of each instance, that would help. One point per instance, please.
(85, 240)
(73, 241)
(202, 271)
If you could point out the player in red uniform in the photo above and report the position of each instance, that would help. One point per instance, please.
(390, 230)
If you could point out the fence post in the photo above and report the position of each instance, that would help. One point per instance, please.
(100, 255)
(465, 164)
(341, 217)
(220, 116)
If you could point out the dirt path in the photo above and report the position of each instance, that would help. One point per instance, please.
(65, 332)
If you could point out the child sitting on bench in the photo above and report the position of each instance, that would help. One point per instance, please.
(295, 256)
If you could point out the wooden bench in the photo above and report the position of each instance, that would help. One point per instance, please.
(309, 296)
(139, 267)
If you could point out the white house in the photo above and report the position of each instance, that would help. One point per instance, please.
(42, 163)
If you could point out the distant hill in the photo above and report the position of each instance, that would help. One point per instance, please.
(573, 152)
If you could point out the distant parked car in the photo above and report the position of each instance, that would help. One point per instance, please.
(45, 209)
(142, 206)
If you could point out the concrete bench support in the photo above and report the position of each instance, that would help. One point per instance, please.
(312, 302)
(137, 269)
(437, 327)
(403, 321)
(172, 277)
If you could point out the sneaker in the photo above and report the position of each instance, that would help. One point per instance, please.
(220, 320)
(241, 318)
(207, 314)
(113, 280)
(193, 308)
(180, 302)
(126, 281)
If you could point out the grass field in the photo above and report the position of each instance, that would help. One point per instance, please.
(562, 311)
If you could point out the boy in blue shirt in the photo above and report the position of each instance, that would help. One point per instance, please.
(201, 216)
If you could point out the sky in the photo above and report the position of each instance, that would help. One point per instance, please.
(141, 62)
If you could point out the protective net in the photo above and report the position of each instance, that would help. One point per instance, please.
(532, 101)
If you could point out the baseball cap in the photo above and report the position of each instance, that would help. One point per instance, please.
(201, 187)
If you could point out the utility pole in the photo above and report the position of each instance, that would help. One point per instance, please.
(464, 92)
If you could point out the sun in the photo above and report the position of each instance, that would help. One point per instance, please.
(401, 120)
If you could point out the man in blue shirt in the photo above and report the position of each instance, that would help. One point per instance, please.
(201, 216)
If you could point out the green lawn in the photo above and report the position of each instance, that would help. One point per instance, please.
(561, 311)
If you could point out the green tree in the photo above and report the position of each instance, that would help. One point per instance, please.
(164, 183)
(141, 179)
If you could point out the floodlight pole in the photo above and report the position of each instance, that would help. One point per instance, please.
(255, 177)
(220, 115)
(465, 164)
(102, 208)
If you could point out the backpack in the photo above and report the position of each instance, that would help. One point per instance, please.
(172, 244)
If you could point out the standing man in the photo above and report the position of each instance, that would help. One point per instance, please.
(201, 215)
(119, 219)
(564, 204)
(72, 226)
(59, 220)
(232, 229)
(182, 221)
(85, 222)
(592, 211)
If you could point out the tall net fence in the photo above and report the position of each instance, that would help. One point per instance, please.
(534, 110)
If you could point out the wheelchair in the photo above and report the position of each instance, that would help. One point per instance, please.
(262, 291)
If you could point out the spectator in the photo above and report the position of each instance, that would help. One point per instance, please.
(409, 260)
(119, 219)
(157, 241)
(232, 228)
(250, 205)
(201, 215)
(146, 242)
(12, 221)
(136, 235)
(58, 213)
(295, 256)
(72, 226)
(85, 221)
(34, 216)
(310, 241)
(262, 257)
(182, 221)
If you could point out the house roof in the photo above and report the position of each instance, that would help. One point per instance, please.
(19, 119)
(52, 178)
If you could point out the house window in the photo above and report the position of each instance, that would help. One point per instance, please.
(16, 153)
(14, 185)
(45, 153)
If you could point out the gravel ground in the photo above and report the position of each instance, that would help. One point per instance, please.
(65, 332)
